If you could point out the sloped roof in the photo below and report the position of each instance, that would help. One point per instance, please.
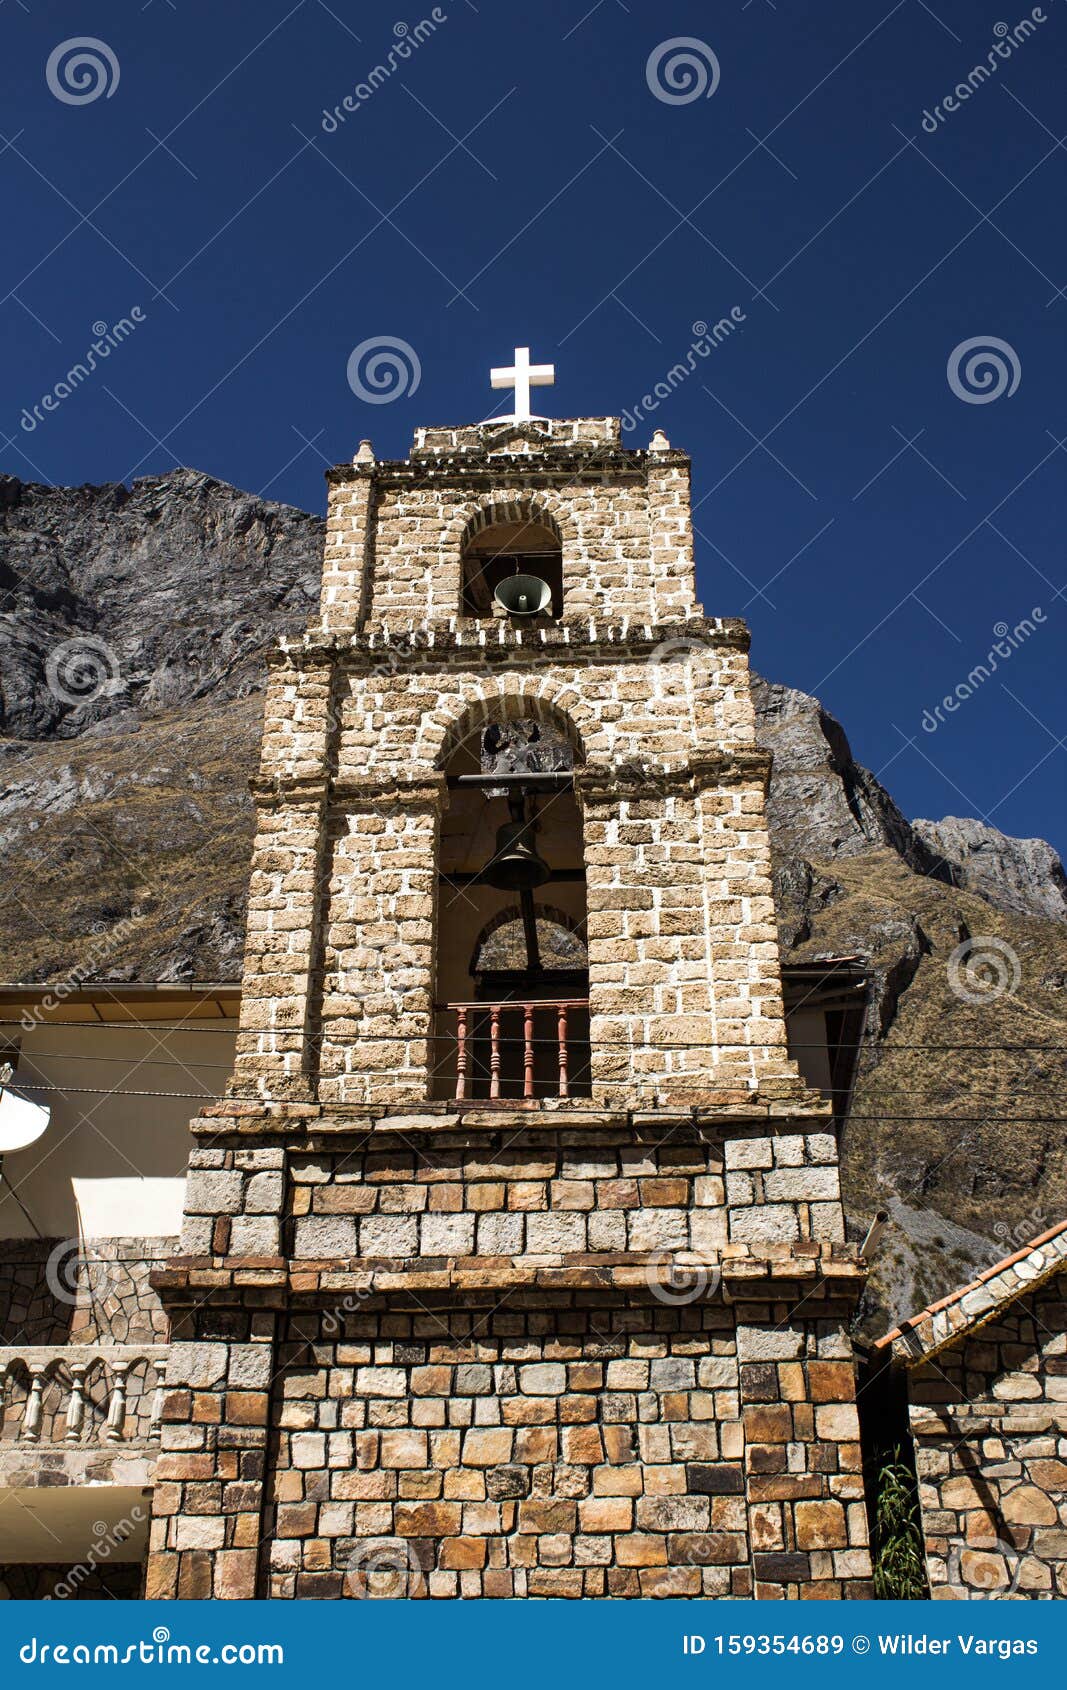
(964, 1311)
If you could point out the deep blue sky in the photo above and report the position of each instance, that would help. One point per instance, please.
(519, 155)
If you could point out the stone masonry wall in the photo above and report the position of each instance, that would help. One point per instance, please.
(591, 1346)
(545, 1201)
(525, 1451)
(989, 1420)
(396, 531)
(56, 1291)
(567, 1448)
(684, 967)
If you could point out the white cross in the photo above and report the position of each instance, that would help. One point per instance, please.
(522, 375)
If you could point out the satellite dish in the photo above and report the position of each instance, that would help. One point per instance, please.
(524, 595)
(21, 1122)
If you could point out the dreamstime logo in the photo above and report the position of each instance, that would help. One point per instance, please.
(389, 656)
(682, 70)
(982, 369)
(105, 1539)
(107, 944)
(81, 69)
(1004, 45)
(677, 1277)
(974, 1575)
(105, 341)
(383, 1568)
(71, 1273)
(1008, 640)
(384, 368)
(673, 662)
(983, 969)
(1011, 1238)
(81, 669)
(706, 340)
(406, 41)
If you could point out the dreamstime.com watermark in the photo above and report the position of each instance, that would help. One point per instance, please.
(983, 968)
(1007, 42)
(680, 1277)
(1011, 1237)
(158, 1650)
(76, 1275)
(106, 943)
(384, 1568)
(80, 669)
(706, 340)
(383, 368)
(81, 70)
(1008, 640)
(407, 42)
(106, 1539)
(982, 369)
(107, 339)
(682, 70)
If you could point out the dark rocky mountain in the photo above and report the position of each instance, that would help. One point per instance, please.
(132, 626)
(1024, 876)
(116, 599)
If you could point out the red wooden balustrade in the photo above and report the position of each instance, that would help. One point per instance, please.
(474, 1020)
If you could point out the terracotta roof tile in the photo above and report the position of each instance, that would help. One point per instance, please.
(945, 1321)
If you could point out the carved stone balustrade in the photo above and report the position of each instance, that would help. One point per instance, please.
(74, 1394)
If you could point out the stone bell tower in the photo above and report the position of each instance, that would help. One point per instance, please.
(513, 1261)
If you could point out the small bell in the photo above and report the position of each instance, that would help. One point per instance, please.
(515, 865)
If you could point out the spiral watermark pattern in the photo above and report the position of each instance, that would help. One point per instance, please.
(682, 70)
(673, 662)
(81, 669)
(384, 368)
(82, 70)
(677, 1277)
(73, 1275)
(975, 1574)
(982, 969)
(383, 1568)
(983, 369)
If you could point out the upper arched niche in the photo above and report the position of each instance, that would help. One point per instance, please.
(518, 727)
(509, 537)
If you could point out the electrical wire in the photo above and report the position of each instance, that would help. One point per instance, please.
(236, 1031)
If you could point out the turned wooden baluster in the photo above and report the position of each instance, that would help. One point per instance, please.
(564, 1077)
(76, 1405)
(528, 1063)
(31, 1424)
(494, 1050)
(116, 1408)
(462, 1053)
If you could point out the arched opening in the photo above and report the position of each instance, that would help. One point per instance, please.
(509, 540)
(511, 967)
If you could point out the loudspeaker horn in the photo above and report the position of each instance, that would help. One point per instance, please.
(524, 595)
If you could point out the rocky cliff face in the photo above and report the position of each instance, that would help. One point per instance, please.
(1024, 876)
(961, 1090)
(822, 802)
(125, 827)
(116, 600)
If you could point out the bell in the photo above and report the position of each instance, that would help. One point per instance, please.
(515, 866)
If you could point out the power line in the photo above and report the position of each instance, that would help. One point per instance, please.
(467, 1103)
(515, 1005)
